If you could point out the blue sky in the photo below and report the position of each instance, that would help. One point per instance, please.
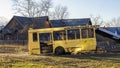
(84, 8)
(107, 9)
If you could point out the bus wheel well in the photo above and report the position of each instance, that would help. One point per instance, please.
(59, 50)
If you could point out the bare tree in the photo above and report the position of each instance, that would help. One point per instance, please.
(97, 20)
(60, 12)
(46, 5)
(3, 21)
(108, 24)
(115, 22)
(31, 8)
(43, 7)
(24, 7)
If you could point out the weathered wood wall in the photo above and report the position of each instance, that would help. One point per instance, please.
(13, 42)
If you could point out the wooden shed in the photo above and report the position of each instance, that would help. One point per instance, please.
(18, 26)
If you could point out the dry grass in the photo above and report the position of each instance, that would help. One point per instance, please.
(13, 48)
(21, 59)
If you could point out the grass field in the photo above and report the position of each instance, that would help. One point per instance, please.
(18, 57)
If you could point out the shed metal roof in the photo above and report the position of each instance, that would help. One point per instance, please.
(24, 20)
(70, 22)
(115, 30)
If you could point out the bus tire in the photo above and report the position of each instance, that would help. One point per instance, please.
(59, 50)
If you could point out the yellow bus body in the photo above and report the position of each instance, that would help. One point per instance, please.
(76, 45)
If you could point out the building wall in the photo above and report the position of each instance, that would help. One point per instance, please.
(13, 25)
(101, 38)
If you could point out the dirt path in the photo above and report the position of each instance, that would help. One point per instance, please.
(25, 54)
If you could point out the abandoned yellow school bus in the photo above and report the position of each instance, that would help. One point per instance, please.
(71, 39)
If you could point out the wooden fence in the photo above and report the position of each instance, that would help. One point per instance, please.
(13, 42)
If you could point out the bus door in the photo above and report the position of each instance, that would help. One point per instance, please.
(46, 45)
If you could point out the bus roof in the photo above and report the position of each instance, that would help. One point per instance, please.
(45, 30)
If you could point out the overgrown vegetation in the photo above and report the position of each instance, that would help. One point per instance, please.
(21, 59)
(13, 48)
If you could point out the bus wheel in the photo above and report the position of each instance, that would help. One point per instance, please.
(59, 51)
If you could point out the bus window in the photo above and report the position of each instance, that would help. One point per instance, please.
(90, 33)
(84, 33)
(71, 34)
(77, 34)
(35, 37)
(59, 35)
(45, 37)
